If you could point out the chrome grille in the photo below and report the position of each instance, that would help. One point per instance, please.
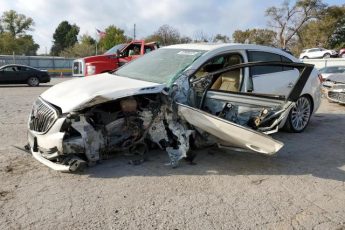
(42, 116)
(77, 68)
(333, 95)
(341, 97)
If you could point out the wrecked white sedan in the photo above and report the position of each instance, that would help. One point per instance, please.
(334, 88)
(176, 98)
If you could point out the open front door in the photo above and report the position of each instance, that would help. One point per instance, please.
(242, 119)
(231, 133)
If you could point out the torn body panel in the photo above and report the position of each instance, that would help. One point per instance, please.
(229, 132)
(334, 90)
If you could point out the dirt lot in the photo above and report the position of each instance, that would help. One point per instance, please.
(300, 188)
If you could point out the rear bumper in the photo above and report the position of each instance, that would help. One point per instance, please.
(45, 79)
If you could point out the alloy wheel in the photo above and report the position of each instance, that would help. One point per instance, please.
(300, 114)
(33, 81)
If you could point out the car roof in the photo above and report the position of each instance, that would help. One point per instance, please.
(229, 46)
(9, 65)
(334, 66)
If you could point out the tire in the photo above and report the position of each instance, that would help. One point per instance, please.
(305, 57)
(299, 115)
(326, 55)
(33, 81)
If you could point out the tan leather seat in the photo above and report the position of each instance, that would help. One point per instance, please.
(229, 81)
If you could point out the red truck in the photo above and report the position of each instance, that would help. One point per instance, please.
(112, 59)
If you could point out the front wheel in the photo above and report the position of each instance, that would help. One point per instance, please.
(299, 115)
(33, 81)
(326, 55)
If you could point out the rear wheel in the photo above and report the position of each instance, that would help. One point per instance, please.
(299, 115)
(33, 81)
(305, 57)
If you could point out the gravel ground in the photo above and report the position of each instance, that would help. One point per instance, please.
(300, 188)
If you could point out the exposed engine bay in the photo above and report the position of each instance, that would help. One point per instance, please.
(130, 125)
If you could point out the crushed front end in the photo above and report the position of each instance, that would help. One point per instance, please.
(68, 142)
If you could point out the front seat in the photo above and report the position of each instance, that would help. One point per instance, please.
(229, 81)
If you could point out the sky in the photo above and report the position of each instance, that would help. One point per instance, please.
(189, 17)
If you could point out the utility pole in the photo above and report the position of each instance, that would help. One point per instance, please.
(134, 32)
(96, 47)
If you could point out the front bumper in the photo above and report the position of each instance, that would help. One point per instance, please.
(46, 147)
(336, 96)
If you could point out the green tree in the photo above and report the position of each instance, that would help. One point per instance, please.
(337, 39)
(23, 45)
(318, 32)
(255, 36)
(112, 37)
(87, 39)
(13, 37)
(288, 19)
(85, 47)
(65, 35)
(16, 24)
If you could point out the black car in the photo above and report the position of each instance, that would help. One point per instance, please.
(21, 74)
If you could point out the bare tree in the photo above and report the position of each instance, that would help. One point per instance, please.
(288, 19)
(166, 35)
(221, 38)
(201, 36)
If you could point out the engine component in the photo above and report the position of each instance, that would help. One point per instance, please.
(128, 105)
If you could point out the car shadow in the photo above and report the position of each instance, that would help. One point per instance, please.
(318, 151)
(25, 86)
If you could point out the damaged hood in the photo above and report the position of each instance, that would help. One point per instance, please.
(80, 93)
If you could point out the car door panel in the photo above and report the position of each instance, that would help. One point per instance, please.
(9, 75)
(230, 133)
(278, 83)
(236, 117)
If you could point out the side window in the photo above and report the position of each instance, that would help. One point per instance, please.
(21, 68)
(148, 49)
(231, 80)
(227, 81)
(10, 69)
(218, 63)
(285, 59)
(256, 56)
